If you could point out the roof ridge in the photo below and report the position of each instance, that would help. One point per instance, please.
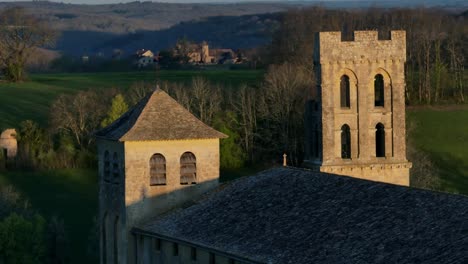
(143, 110)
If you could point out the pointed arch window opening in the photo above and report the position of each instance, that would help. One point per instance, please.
(380, 140)
(157, 170)
(345, 142)
(188, 168)
(379, 91)
(345, 92)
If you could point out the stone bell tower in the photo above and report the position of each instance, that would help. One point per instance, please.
(355, 126)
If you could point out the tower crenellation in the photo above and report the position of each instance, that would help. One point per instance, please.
(365, 48)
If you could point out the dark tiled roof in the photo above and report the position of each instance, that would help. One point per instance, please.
(158, 117)
(297, 216)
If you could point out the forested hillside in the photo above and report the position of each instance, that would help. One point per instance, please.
(223, 31)
(135, 16)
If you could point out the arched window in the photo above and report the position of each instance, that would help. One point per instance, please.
(115, 167)
(116, 240)
(379, 95)
(188, 168)
(345, 142)
(107, 171)
(345, 92)
(157, 170)
(379, 140)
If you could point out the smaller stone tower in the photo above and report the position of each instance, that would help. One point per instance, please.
(356, 124)
(156, 157)
(8, 143)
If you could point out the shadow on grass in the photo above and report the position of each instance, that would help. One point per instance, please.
(453, 172)
(69, 194)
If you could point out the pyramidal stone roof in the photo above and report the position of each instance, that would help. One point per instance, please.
(158, 117)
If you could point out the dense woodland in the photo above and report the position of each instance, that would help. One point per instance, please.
(437, 45)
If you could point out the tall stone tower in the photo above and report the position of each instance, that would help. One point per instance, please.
(157, 156)
(356, 122)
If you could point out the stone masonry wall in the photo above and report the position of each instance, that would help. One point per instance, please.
(143, 201)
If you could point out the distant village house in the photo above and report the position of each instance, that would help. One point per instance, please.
(202, 54)
(145, 58)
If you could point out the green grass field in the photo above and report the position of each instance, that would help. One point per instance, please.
(32, 99)
(443, 134)
(71, 195)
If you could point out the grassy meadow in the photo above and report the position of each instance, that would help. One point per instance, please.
(32, 99)
(443, 134)
(72, 194)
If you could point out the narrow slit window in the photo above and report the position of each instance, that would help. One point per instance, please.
(345, 100)
(116, 240)
(175, 249)
(115, 167)
(157, 170)
(157, 244)
(212, 259)
(188, 168)
(104, 238)
(345, 142)
(107, 170)
(193, 253)
(379, 90)
(380, 140)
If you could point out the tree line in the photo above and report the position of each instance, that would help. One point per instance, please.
(436, 45)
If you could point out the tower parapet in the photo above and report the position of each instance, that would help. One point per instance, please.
(365, 47)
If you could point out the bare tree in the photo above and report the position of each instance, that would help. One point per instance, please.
(206, 99)
(244, 104)
(138, 91)
(285, 92)
(79, 114)
(20, 34)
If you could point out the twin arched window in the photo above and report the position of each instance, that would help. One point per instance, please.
(188, 169)
(345, 92)
(379, 91)
(114, 171)
(379, 141)
(157, 170)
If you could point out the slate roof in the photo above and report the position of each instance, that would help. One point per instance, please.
(287, 215)
(158, 117)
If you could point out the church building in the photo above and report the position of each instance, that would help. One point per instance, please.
(160, 201)
(154, 158)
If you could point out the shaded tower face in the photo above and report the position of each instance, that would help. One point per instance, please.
(356, 125)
